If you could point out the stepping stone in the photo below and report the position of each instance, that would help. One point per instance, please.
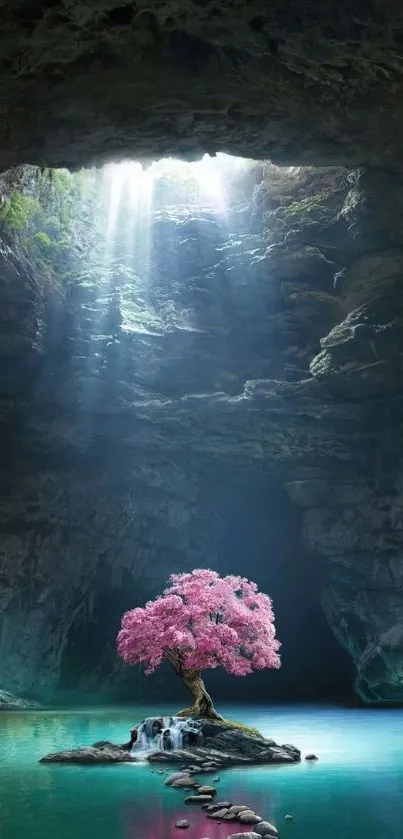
(249, 817)
(239, 808)
(206, 790)
(266, 829)
(244, 836)
(176, 776)
(198, 799)
(219, 814)
(184, 782)
(182, 824)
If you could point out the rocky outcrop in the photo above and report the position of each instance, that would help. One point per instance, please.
(90, 754)
(299, 84)
(9, 702)
(223, 745)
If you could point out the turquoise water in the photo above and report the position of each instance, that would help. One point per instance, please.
(355, 791)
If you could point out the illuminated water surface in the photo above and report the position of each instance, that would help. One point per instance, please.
(354, 792)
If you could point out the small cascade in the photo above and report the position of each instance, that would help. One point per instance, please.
(166, 734)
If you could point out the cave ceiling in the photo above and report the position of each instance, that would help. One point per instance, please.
(300, 82)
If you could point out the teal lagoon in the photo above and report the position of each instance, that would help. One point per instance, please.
(355, 791)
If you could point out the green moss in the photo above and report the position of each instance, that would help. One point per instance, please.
(306, 210)
(19, 211)
(52, 219)
(42, 238)
(243, 727)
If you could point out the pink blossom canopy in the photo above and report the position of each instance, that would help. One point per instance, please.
(210, 621)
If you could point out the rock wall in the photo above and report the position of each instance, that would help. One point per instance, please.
(273, 351)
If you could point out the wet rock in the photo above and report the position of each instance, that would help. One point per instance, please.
(206, 790)
(176, 776)
(246, 745)
(90, 755)
(198, 799)
(182, 824)
(218, 814)
(250, 835)
(184, 783)
(311, 757)
(249, 817)
(276, 755)
(219, 805)
(288, 818)
(265, 829)
(227, 745)
(239, 808)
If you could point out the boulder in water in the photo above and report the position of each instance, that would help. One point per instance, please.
(219, 805)
(176, 776)
(244, 836)
(182, 824)
(266, 829)
(185, 782)
(218, 814)
(249, 817)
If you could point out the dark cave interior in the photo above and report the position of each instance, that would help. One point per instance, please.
(260, 535)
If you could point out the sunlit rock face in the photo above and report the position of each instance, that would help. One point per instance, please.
(200, 331)
(297, 84)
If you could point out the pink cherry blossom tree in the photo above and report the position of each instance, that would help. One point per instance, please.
(202, 621)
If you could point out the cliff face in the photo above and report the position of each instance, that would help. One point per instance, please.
(261, 346)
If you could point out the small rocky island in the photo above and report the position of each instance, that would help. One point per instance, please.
(201, 745)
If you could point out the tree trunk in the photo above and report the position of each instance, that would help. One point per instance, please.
(202, 701)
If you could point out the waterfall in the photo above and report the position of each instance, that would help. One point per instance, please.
(165, 734)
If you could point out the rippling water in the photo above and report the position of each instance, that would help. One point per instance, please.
(355, 791)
